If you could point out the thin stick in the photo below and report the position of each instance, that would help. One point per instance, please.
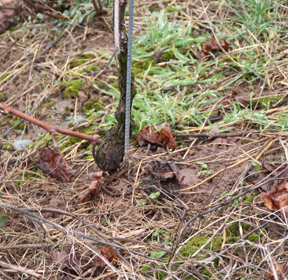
(6, 109)
(20, 269)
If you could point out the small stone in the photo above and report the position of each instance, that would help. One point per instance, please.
(82, 96)
(18, 131)
(21, 144)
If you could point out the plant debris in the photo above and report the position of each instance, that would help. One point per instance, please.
(92, 192)
(276, 196)
(108, 254)
(55, 165)
(164, 137)
(70, 263)
(213, 46)
(281, 270)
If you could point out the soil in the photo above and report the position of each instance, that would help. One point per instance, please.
(117, 212)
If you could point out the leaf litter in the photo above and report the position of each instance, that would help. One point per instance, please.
(55, 165)
(71, 264)
(163, 137)
(276, 191)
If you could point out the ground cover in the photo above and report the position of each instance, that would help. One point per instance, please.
(216, 73)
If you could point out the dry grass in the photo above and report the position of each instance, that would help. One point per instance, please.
(238, 237)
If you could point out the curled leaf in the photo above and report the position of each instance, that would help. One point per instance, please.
(55, 165)
(70, 262)
(163, 137)
(213, 46)
(281, 270)
(108, 254)
(92, 192)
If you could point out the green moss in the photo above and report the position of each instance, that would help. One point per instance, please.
(94, 103)
(4, 76)
(172, 9)
(154, 8)
(73, 87)
(90, 157)
(142, 65)
(80, 60)
(67, 108)
(167, 56)
(7, 147)
(205, 271)
(49, 104)
(2, 97)
(43, 86)
(249, 199)
(70, 124)
(88, 130)
(19, 126)
(50, 116)
(255, 236)
(91, 68)
(43, 75)
(197, 242)
(270, 100)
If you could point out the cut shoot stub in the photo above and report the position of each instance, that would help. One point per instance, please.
(110, 153)
(128, 80)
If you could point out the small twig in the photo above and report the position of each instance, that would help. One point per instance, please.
(222, 135)
(98, 7)
(177, 238)
(40, 66)
(53, 130)
(20, 269)
(25, 246)
(3, 7)
(52, 44)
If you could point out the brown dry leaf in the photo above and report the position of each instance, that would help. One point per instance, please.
(238, 99)
(276, 196)
(70, 263)
(94, 176)
(164, 137)
(92, 192)
(165, 172)
(213, 46)
(108, 254)
(55, 165)
(281, 270)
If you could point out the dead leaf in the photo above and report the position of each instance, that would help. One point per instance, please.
(164, 137)
(164, 171)
(276, 196)
(213, 46)
(92, 192)
(55, 165)
(281, 270)
(238, 99)
(94, 176)
(108, 254)
(70, 263)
